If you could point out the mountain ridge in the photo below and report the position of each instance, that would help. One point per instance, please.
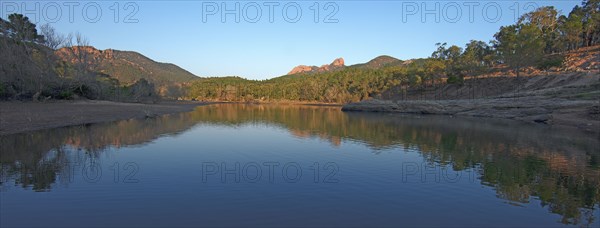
(127, 66)
(130, 66)
(379, 62)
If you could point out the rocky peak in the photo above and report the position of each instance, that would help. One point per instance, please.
(336, 64)
(302, 69)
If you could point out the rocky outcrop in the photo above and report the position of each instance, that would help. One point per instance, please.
(336, 64)
(303, 69)
(339, 62)
(72, 54)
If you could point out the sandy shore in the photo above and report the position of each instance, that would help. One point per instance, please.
(17, 117)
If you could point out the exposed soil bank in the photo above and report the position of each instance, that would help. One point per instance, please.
(16, 117)
(569, 100)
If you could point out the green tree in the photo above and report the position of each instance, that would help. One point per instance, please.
(443, 53)
(18, 27)
(572, 30)
(545, 19)
(477, 57)
(520, 45)
(591, 22)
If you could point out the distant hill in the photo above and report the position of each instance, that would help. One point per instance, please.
(129, 66)
(380, 62)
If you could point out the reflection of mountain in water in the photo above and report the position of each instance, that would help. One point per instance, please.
(561, 168)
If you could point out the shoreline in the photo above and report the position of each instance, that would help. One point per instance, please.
(24, 116)
(569, 99)
(580, 114)
(19, 117)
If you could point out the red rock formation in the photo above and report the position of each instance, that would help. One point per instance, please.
(302, 69)
(71, 54)
(336, 64)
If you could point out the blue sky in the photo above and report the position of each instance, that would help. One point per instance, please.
(192, 34)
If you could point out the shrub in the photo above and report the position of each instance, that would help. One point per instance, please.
(65, 94)
(1, 89)
(454, 79)
(550, 62)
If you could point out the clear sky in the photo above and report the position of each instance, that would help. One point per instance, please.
(193, 35)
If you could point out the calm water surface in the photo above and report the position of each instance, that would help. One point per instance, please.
(267, 165)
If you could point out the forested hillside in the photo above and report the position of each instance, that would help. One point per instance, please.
(538, 42)
(31, 70)
(129, 66)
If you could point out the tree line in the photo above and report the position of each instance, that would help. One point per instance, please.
(538, 39)
(350, 84)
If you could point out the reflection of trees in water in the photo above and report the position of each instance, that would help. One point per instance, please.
(520, 161)
(37, 158)
(38, 169)
(561, 168)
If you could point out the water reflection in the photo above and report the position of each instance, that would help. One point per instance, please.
(521, 162)
(35, 159)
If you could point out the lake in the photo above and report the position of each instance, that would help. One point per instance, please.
(294, 165)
